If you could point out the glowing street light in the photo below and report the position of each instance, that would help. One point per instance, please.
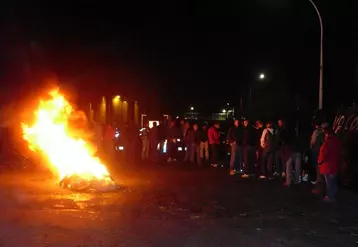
(192, 108)
(224, 111)
(262, 76)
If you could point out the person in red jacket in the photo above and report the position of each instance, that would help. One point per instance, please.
(328, 162)
(214, 142)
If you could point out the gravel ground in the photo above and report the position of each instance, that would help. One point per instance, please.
(172, 205)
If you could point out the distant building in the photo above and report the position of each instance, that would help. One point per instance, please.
(191, 115)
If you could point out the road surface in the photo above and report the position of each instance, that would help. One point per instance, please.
(172, 205)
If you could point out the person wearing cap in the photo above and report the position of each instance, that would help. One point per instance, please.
(329, 159)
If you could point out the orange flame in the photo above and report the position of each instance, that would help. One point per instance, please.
(51, 135)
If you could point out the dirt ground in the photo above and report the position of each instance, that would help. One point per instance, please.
(172, 205)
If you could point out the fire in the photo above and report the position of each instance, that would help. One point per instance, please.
(51, 134)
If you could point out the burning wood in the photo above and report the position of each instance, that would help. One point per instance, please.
(69, 156)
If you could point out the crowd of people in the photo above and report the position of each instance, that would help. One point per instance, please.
(255, 150)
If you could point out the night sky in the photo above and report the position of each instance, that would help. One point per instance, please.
(177, 54)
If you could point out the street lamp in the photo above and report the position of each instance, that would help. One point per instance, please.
(261, 77)
(224, 111)
(320, 93)
(192, 112)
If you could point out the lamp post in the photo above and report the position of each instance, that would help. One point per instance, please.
(320, 93)
(192, 112)
(226, 113)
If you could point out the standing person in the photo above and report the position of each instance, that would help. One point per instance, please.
(204, 145)
(268, 143)
(162, 134)
(190, 143)
(214, 142)
(98, 135)
(184, 126)
(196, 149)
(248, 149)
(234, 139)
(154, 142)
(144, 136)
(328, 162)
(108, 141)
(292, 157)
(258, 129)
(317, 140)
(133, 139)
(172, 135)
(282, 136)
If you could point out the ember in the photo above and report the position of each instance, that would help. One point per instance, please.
(69, 156)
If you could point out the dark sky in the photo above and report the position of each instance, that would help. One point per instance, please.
(201, 53)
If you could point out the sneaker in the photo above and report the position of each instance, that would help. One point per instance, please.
(313, 182)
(326, 199)
(316, 191)
(262, 177)
(245, 176)
(232, 172)
(275, 174)
(305, 178)
(214, 165)
(283, 174)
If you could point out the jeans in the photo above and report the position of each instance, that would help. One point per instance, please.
(153, 147)
(295, 160)
(214, 153)
(109, 149)
(249, 159)
(236, 157)
(331, 186)
(268, 158)
(190, 152)
(172, 149)
(145, 149)
(196, 153)
(314, 160)
(204, 149)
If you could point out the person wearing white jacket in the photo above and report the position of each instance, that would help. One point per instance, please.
(269, 144)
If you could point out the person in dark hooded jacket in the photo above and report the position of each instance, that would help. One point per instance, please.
(248, 148)
(291, 154)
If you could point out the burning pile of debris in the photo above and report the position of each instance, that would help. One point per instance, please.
(70, 157)
(78, 183)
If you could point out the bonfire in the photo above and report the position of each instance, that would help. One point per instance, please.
(71, 159)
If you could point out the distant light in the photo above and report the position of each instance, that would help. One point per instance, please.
(192, 108)
(223, 110)
(262, 76)
(177, 117)
(227, 103)
(121, 148)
